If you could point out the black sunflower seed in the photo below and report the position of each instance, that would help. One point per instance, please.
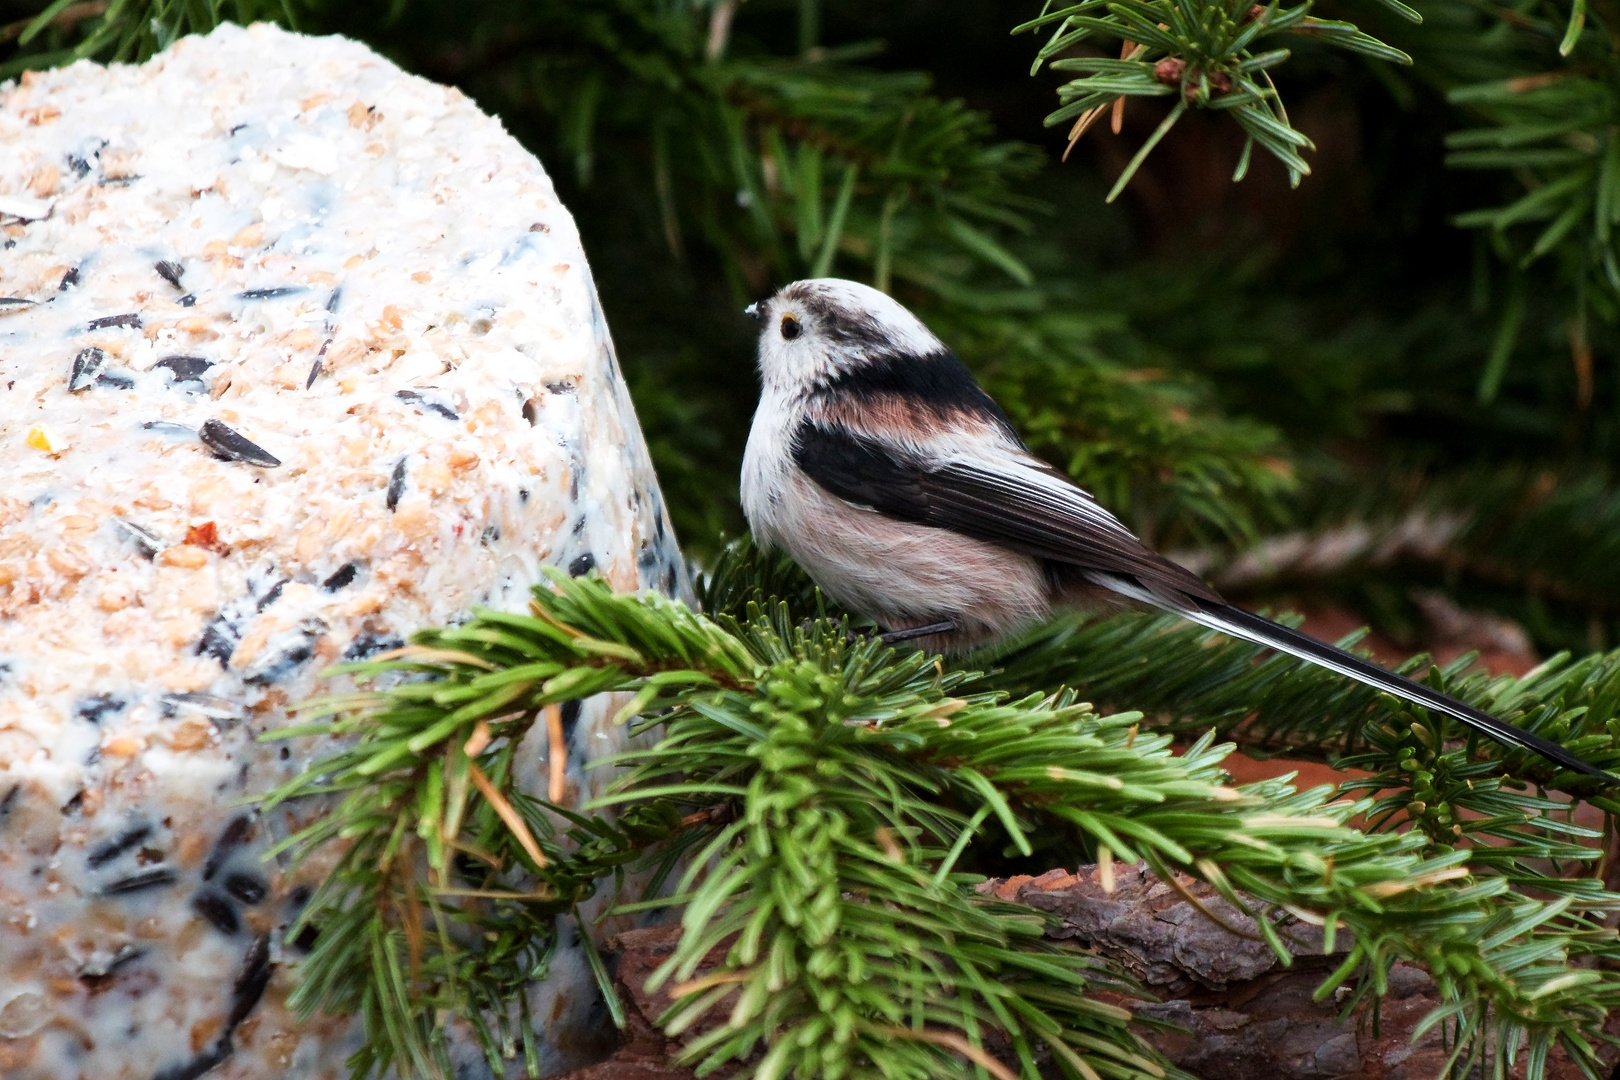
(196, 1067)
(185, 369)
(219, 639)
(231, 839)
(98, 708)
(107, 852)
(366, 646)
(250, 982)
(272, 594)
(131, 321)
(217, 910)
(396, 484)
(86, 366)
(245, 887)
(150, 879)
(343, 577)
(428, 403)
(230, 444)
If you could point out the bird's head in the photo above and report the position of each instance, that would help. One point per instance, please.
(813, 331)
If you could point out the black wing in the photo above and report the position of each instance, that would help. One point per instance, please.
(1030, 508)
(1033, 509)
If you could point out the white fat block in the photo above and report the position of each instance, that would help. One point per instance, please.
(298, 354)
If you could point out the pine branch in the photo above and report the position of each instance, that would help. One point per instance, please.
(1534, 87)
(1200, 51)
(447, 892)
(1547, 111)
(854, 780)
(860, 953)
(787, 166)
(1192, 679)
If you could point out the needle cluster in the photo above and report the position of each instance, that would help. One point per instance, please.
(1206, 54)
(817, 803)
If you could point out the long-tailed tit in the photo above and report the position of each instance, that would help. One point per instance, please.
(879, 464)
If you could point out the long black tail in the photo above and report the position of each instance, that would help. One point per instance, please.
(1250, 627)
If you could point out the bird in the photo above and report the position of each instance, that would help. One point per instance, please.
(878, 463)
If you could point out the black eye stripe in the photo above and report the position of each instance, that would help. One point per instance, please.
(790, 327)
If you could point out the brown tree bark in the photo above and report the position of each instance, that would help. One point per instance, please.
(1243, 1015)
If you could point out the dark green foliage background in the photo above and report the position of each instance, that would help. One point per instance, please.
(1417, 341)
(1215, 361)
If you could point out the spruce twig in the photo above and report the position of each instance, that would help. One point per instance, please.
(824, 788)
(1201, 51)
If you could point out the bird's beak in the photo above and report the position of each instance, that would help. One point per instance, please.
(754, 311)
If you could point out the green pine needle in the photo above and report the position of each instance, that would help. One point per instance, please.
(821, 792)
(1200, 50)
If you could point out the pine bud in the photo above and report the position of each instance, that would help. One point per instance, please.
(1169, 70)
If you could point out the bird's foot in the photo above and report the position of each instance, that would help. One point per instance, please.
(895, 637)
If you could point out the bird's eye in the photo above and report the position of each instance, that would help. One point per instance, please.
(790, 327)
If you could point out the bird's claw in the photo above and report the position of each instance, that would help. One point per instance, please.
(895, 637)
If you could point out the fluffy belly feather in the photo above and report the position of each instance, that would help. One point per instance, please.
(905, 575)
